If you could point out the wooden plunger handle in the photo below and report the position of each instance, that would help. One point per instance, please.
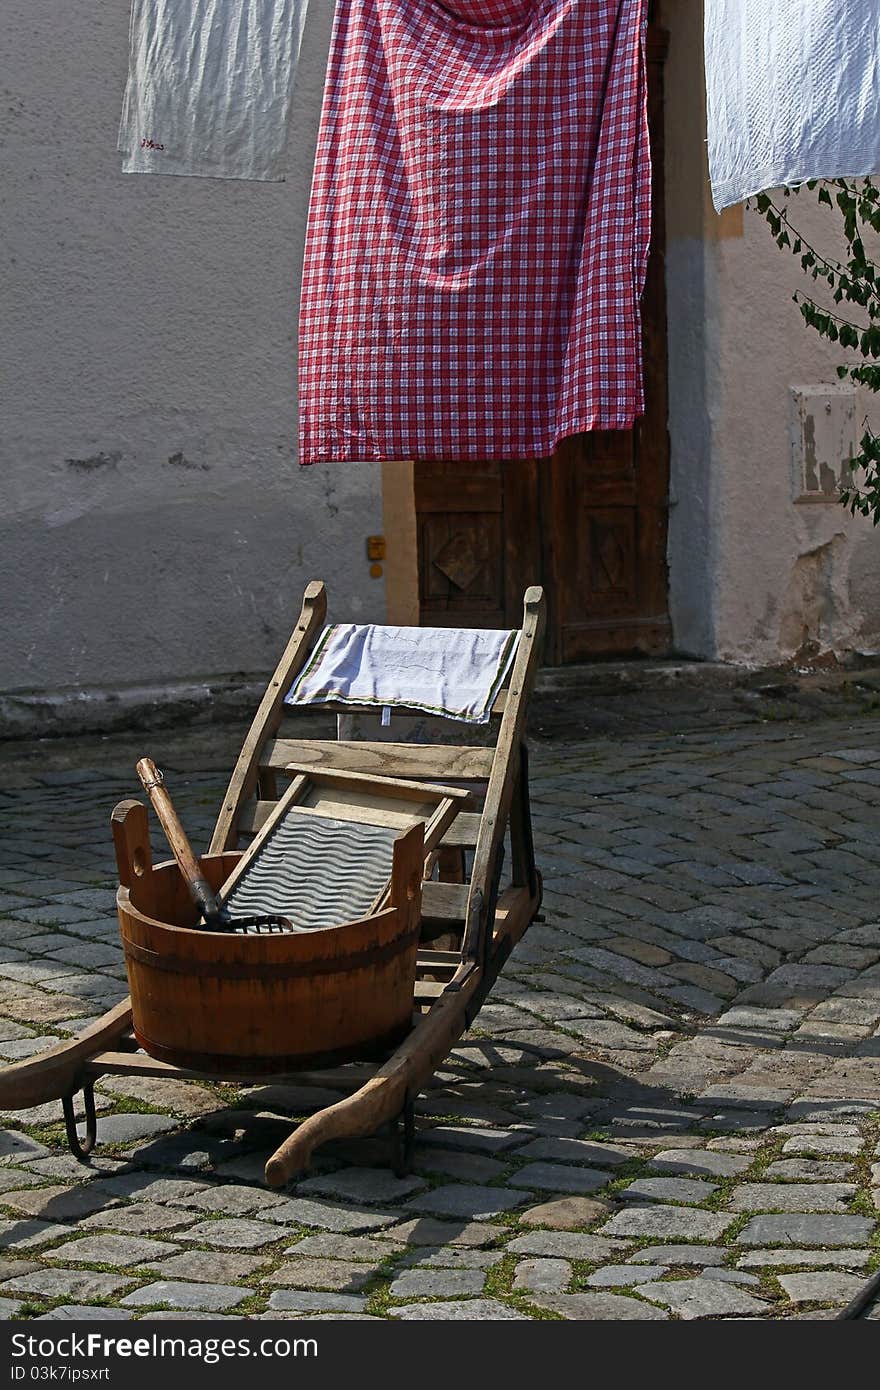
(200, 890)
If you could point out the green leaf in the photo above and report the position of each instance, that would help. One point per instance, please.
(853, 278)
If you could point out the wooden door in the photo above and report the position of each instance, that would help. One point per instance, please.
(605, 494)
(478, 541)
(589, 523)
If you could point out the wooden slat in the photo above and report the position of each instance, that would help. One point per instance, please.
(393, 817)
(444, 902)
(506, 769)
(136, 1064)
(448, 762)
(427, 990)
(367, 787)
(438, 960)
(463, 832)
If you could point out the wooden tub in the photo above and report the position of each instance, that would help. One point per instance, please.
(226, 1003)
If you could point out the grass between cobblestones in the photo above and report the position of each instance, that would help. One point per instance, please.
(641, 775)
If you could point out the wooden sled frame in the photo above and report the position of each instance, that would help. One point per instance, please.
(483, 920)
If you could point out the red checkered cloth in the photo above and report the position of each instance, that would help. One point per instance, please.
(478, 229)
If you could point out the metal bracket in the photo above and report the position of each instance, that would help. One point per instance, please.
(471, 941)
(526, 811)
(81, 1148)
(491, 905)
(403, 1138)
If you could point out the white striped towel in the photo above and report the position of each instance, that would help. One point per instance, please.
(452, 672)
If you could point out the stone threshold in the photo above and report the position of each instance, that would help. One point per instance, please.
(76, 710)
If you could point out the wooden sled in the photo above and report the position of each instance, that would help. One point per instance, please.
(470, 920)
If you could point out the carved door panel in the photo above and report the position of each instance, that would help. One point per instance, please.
(606, 557)
(479, 547)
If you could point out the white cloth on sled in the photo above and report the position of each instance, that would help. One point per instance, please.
(453, 672)
(792, 89)
(209, 87)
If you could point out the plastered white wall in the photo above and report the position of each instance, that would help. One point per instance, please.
(792, 578)
(154, 522)
(755, 577)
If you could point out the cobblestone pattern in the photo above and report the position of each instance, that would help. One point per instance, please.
(668, 1108)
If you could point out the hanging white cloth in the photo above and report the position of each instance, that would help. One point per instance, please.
(793, 91)
(209, 87)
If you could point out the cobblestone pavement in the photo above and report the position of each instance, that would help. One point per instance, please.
(668, 1108)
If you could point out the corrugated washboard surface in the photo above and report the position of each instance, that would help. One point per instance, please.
(317, 871)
